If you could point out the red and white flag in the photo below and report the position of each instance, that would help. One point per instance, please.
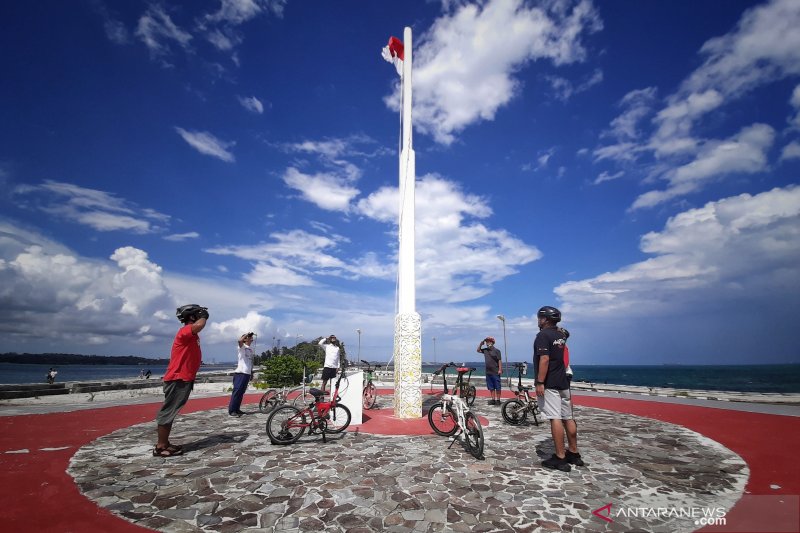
(393, 53)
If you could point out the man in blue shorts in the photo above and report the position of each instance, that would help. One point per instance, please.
(494, 368)
(552, 389)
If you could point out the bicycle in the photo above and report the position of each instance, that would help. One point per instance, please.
(516, 410)
(369, 394)
(273, 398)
(287, 423)
(451, 416)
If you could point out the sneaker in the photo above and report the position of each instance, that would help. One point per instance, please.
(240, 413)
(557, 464)
(237, 415)
(574, 458)
(491, 402)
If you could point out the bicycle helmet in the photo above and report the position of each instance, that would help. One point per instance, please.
(490, 339)
(189, 312)
(550, 313)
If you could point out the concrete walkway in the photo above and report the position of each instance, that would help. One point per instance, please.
(232, 479)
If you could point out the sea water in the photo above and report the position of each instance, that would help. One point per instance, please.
(745, 378)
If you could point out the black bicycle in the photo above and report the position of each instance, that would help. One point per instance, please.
(516, 410)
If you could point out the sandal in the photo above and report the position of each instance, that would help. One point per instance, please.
(175, 448)
(166, 452)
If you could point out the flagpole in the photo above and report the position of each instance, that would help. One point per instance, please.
(407, 324)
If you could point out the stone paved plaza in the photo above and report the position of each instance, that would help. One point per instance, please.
(231, 478)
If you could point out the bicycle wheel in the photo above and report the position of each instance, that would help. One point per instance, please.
(338, 419)
(269, 400)
(442, 420)
(473, 435)
(286, 424)
(469, 395)
(369, 395)
(514, 412)
(302, 399)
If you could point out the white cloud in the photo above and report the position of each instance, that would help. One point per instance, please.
(157, 30)
(742, 153)
(232, 329)
(239, 11)
(464, 65)
(327, 191)
(740, 249)
(461, 258)
(795, 101)
(206, 143)
(97, 209)
(606, 176)
(791, 151)
(252, 104)
(564, 89)
(178, 237)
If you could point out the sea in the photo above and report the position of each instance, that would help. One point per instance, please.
(744, 378)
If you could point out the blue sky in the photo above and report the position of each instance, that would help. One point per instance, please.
(633, 163)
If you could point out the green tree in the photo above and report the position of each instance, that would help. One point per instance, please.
(282, 370)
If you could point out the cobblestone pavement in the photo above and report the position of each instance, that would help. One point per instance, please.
(231, 478)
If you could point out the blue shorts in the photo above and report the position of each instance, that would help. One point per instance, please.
(492, 382)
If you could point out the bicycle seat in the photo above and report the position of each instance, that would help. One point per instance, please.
(527, 388)
(463, 369)
(316, 393)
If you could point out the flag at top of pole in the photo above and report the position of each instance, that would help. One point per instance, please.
(393, 53)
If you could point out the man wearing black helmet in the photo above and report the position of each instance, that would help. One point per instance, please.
(184, 362)
(552, 389)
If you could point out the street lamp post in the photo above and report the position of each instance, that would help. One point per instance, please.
(359, 345)
(434, 350)
(502, 319)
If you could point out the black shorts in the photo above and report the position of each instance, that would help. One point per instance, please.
(176, 394)
(328, 373)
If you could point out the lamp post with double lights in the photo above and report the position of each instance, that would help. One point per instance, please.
(502, 319)
(359, 345)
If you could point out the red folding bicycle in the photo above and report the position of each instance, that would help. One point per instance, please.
(287, 423)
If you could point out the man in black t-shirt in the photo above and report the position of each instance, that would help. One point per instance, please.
(552, 389)
(494, 368)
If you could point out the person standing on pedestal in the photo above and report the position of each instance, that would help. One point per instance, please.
(333, 350)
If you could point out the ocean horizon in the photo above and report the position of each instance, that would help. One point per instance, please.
(774, 378)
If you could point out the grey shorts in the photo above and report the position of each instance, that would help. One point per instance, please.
(556, 404)
(176, 394)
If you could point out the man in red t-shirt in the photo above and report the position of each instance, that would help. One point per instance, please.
(184, 363)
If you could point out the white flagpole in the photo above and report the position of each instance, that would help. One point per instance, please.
(407, 324)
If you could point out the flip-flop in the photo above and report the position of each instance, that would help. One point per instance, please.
(165, 452)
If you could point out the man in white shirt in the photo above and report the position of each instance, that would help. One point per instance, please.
(332, 348)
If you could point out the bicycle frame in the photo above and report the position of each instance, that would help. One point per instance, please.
(314, 416)
(454, 406)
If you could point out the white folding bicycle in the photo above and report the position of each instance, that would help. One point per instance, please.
(452, 417)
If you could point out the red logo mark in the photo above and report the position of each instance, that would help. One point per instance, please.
(603, 512)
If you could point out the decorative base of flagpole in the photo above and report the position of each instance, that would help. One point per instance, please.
(407, 365)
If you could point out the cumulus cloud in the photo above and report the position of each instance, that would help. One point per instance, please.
(206, 143)
(100, 210)
(742, 153)
(791, 151)
(465, 63)
(607, 176)
(742, 249)
(461, 257)
(763, 47)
